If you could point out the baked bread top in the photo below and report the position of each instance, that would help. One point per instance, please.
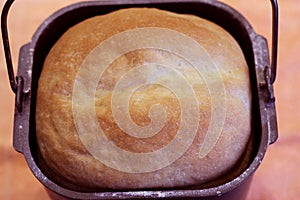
(143, 98)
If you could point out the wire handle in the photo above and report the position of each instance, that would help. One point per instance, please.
(17, 83)
(10, 70)
(274, 40)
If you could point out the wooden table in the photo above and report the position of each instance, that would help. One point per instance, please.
(278, 176)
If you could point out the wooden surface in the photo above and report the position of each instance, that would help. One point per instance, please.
(277, 178)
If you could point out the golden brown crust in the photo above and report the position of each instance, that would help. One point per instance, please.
(64, 158)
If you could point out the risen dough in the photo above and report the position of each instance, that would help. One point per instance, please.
(65, 158)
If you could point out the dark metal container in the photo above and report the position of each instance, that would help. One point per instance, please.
(254, 47)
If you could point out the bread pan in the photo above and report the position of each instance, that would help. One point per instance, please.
(255, 48)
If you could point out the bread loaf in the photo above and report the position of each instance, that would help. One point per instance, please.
(143, 98)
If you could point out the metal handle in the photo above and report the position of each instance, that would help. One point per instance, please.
(6, 46)
(274, 40)
(17, 83)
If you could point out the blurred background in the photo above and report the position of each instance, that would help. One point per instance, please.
(277, 178)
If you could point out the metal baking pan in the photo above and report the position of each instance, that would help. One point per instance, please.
(254, 47)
